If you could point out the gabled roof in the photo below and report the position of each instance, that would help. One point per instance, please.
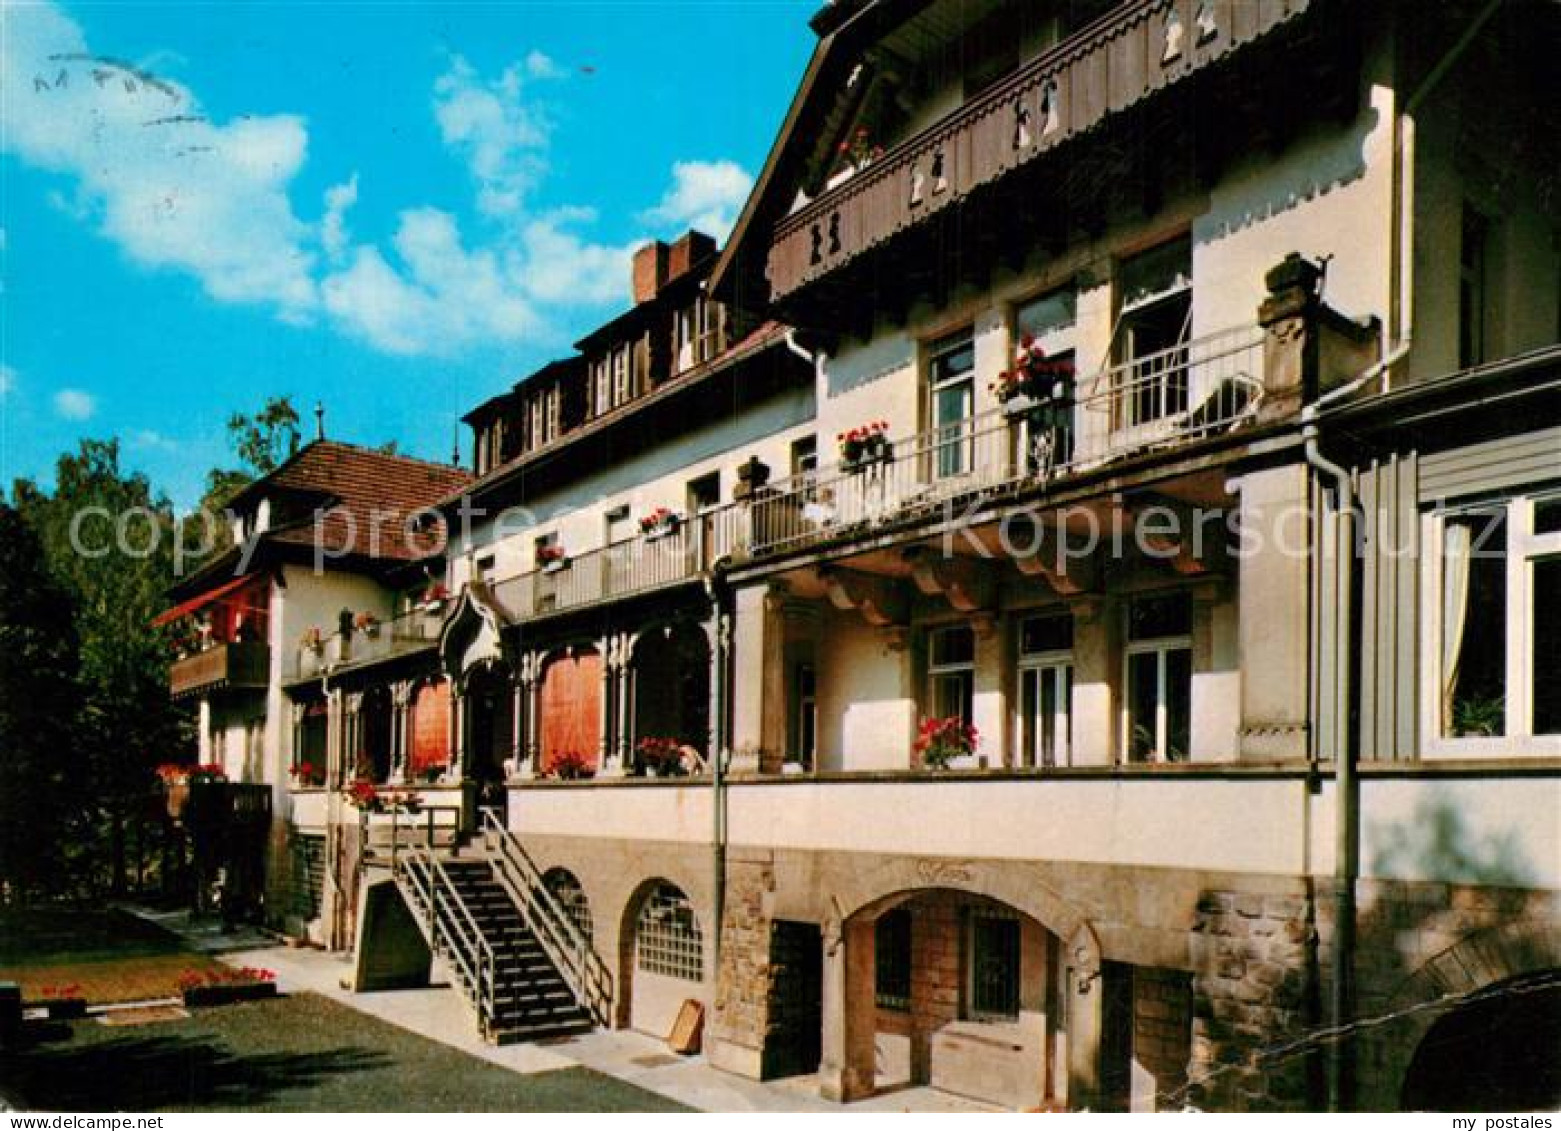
(844, 26)
(365, 498)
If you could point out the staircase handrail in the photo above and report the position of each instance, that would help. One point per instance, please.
(559, 936)
(479, 968)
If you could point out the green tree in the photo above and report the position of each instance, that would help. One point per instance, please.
(38, 693)
(107, 540)
(262, 441)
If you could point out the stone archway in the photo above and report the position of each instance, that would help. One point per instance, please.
(663, 941)
(671, 685)
(1494, 1051)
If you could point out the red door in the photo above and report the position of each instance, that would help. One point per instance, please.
(430, 730)
(572, 709)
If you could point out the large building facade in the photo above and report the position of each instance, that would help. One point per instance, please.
(1063, 606)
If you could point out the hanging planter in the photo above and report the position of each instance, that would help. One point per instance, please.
(551, 558)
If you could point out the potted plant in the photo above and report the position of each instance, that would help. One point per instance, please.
(221, 986)
(940, 742)
(661, 757)
(366, 623)
(364, 795)
(551, 557)
(858, 151)
(864, 445)
(570, 765)
(306, 775)
(433, 597)
(659, 523)
(1034, 382)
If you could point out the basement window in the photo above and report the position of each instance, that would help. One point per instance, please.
(892, 965)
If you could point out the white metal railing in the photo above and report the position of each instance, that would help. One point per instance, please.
(1194, 390)
(410, 630)
(570, 951)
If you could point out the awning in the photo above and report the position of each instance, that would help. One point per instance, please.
(195, 603)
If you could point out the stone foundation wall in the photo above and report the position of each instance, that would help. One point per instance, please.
(745, 980)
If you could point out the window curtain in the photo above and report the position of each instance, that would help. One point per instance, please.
(1456, 541)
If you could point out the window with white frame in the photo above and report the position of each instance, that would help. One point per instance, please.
(667, 939)
(951, 673)
(1044, 730)
(1493, 626)
(621, 375)
(1157, 679)
(952, 392)
(1154, 323)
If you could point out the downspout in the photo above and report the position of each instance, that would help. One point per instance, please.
(718, 653)
(1400, 331)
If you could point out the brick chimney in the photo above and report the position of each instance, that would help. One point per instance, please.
(691, 248)
(650, 270)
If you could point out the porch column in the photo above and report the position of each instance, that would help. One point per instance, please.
(400, 707)
(335, 774)
(758, 679)
(353, 732)
(1272, 614)
(846, 1067)
(608, 647)
(718, 636)
(534, 711)
(296, 714)
(625, 727)
(457, 731)
(525, 715)
(517, 740)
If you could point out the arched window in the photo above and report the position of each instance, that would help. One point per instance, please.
(667, 939)
(562, 884)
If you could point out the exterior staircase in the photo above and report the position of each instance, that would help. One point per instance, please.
(519, 960)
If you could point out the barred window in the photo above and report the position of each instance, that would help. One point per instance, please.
(993, 964)
(565, 888)
(666, 937)
(892, 972)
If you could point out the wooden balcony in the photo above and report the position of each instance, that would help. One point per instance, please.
(242, 666)
(1129, 54)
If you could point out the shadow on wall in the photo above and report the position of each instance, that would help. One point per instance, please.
(1437, 844)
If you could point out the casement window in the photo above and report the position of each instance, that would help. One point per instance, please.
(951, 391)
(1044, 729)
(992, 947)
(951, 673)
(1157, 680)
(622, 375)
(667, 939)
(1492, 583)
(601, 385)
(892, 960)
(1154, 323)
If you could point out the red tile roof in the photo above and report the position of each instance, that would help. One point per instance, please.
(366, 497)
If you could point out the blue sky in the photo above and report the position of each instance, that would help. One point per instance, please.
(397, 209)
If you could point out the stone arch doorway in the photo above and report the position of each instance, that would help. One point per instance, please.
(671, 686)
(953, 989)
(1494, 1052)
(663, 956)
(570, 710)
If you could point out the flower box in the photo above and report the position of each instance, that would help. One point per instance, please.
(1020, 405)
(557, 565)
(659, 523)
(225, 993)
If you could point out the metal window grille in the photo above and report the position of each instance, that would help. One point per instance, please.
(667, 939)
(994, 964)
(566, 889)
(892, 959)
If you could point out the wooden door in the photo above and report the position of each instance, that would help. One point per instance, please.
(571, 709)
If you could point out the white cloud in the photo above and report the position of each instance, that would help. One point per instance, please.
(443, 298)
(148, 439)
(75, 404)
(171, 187)
(339, 199)
(502, 138)
(7, 381)
(704, 194)
(179, 191)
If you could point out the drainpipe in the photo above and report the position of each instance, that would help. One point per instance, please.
(718, 833)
